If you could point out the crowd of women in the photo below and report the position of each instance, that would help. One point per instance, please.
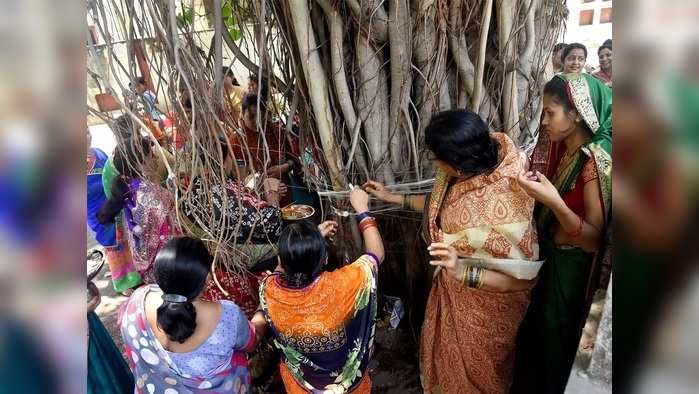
(517, 242)
(572, 58)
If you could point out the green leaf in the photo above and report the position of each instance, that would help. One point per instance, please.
(235, 33)
(226, 11)
(185, 18)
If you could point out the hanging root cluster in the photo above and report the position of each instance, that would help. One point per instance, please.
(360, 78)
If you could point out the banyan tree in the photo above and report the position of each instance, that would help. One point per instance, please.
(359, 78)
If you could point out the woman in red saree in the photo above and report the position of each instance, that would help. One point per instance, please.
(479, 223)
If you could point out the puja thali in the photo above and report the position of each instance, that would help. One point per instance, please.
(297, 212)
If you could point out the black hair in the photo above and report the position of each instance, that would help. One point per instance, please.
(127, 159)
(124, 128)
(607, 42)
(558, 90)
(262, 86)
(604, 46)
(249, 100)
(461, 139)
(559, 46)
(227, 72)
(141, 80)
(570, 47)
(181, 267)
(302, 253)
(187, 103)
(213, 155)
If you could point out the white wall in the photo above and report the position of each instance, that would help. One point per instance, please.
(592, 36)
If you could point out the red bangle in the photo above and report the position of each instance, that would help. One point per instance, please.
(578, 230)
(365, 228)
(367, 223)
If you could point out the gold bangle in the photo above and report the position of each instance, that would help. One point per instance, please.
(464, 274)
(480, 278)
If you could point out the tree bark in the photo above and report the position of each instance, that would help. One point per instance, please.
(507, 45)
(318, 87)
(399, 34)
(372, 105)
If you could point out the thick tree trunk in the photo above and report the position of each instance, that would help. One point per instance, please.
(318, 87)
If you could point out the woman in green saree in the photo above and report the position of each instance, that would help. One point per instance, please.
(572, 214)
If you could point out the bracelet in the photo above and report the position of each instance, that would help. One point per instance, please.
(365, 228)
(362, 216)
(465, 274)
(406, 201)
(578, 230)
(367, 223)
(479, 284)
(473, 277)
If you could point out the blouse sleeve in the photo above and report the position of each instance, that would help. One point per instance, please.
(589, 171)
(245, 331)
(250, 217)
(261, 224)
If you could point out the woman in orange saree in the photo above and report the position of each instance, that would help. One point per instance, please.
(479, 223)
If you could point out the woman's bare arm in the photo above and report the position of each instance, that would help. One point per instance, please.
(589, 237)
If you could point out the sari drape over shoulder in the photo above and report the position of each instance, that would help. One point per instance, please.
(105, 234)
(148, 223)
(549, 336)
(111, 236)
(468, 336)
(325, 331)
(158, 371)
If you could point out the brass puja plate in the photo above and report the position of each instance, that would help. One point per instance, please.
(297, 212)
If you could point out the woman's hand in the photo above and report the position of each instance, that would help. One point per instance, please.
(379, 191)
(448, 258)
(272, 188)
(328, 228)
(359, 200)
(537, 186)
(491, 280)
(283, 189)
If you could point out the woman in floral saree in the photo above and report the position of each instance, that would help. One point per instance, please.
(574, 151)
(480, 224)
(141, 206)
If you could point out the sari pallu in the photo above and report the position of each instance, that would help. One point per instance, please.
(107, 372)
(110, 235)
(154, 370)
(549, 336)
(147, 223)
(325, 331)
(105, 234)
(468, 336)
